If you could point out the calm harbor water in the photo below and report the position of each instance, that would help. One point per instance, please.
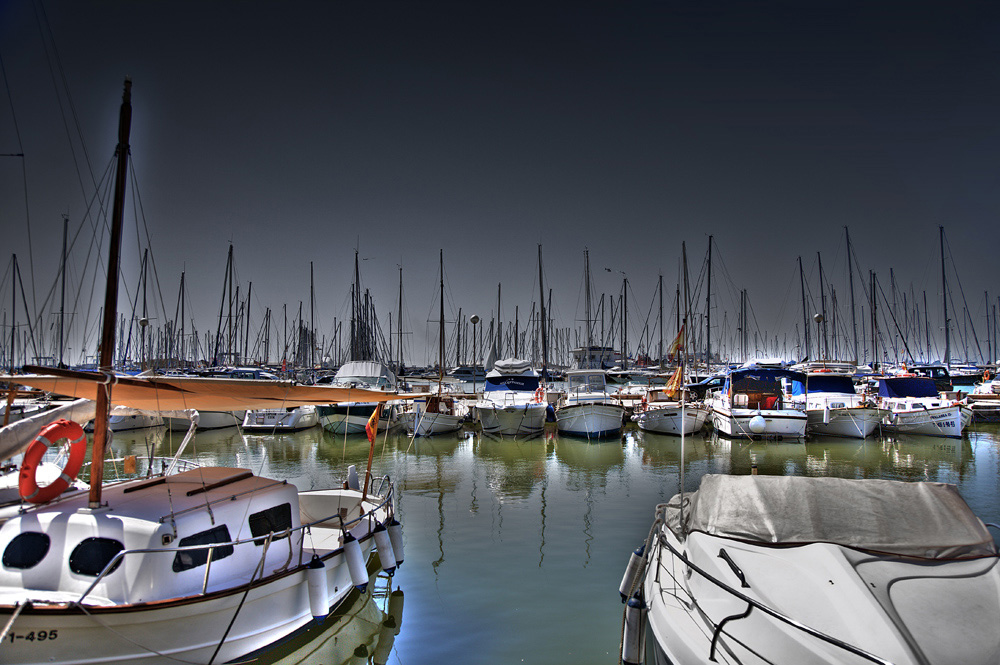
(515, 548)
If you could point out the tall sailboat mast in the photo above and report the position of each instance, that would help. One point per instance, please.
(850, 280)
(944, 297)
(111, 300)
(543, 319)
(441, 329)
(708, 310)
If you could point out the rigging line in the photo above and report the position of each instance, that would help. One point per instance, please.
(24, 181)
(141, 214)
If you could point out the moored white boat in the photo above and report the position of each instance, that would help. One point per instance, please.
(915, 406)
(290, 419)
(435, 414)
(137, 574)
(751, 405)
(208, 420)
(778, 569)
(587, 409)
(835, 408)
(667, 418)
(513, 402)
(351, 417)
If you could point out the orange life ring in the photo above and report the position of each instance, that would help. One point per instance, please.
(539, 394)
(48, 436)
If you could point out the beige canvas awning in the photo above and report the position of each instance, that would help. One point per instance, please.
(173, 393)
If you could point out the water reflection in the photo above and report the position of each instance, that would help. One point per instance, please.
(362, 631)
(513, 467)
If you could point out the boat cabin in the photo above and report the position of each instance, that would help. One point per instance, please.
(59, 551)
(762, 387)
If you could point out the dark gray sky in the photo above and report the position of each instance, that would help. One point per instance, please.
(300, 131)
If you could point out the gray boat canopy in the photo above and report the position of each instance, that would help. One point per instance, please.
(918, 519)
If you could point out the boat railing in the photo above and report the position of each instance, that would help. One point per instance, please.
(265, 539)
(755, 604)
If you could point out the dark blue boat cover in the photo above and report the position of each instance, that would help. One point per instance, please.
(907, 386)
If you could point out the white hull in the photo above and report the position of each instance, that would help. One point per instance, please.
(680, 634)
(163, 604)
(421, 423)
(126, 423)
(590, 420)
(208, 420)
(853, 422)
(281, 420)
(944, 421)
(667, 419)
(344, 424)
(778, 423)
(817, 571)
(512, 420)
(187, 631)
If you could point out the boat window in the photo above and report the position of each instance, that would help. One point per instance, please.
(93, 554)
(272, 520)
(194, 558)
(26, 550)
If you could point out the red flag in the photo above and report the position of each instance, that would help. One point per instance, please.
(372, 427)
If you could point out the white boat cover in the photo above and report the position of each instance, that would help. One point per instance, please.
(512, 366)
(914, 519)
(365, 369)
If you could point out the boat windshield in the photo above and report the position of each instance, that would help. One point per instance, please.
(586, 383)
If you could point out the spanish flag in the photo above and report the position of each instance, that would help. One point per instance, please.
(677, 344)
(372, 427)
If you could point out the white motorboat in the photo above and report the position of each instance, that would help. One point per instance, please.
(835, 408)
(289, 419)
(587, 409)
(779, 569)
(751, 404)
(984, 400)
(513, 402)
(351, 417)
(915, 406)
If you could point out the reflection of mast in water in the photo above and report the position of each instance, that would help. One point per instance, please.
(541, 542)
(587, 525)
(440, 530)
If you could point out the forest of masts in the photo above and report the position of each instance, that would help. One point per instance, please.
(864, 317)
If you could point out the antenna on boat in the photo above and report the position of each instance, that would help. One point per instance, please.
(107, 356)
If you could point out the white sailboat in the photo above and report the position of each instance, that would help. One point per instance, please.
(207, 565)
(440, 413)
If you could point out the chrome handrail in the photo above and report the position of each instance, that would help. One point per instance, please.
(774, 613)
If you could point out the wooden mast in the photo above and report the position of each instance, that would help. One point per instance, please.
(111, 299)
